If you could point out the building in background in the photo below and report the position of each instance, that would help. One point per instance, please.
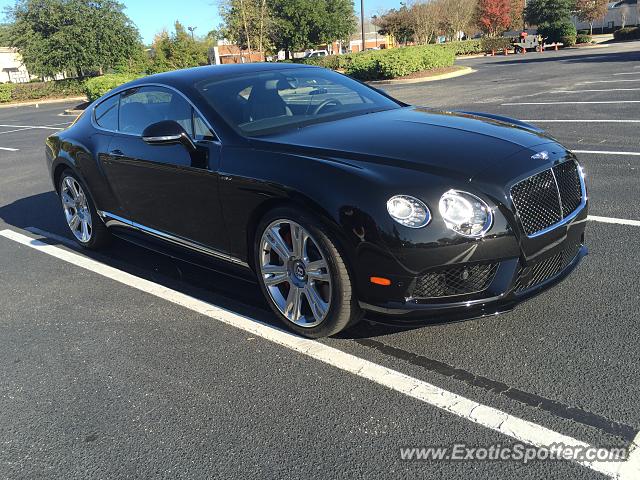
(622, 13)
(373, 40)
(11, 67)
(226, 53)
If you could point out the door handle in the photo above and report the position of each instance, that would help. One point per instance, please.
(116, 153)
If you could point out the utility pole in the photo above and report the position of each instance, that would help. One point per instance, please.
(362, 23)
(192, 29)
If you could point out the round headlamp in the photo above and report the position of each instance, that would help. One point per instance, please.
(465, 213)
(408, 211)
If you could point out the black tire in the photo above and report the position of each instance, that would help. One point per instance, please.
(100, 237)
(344, 310)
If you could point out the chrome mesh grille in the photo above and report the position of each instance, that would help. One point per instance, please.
(539, 272)
(547, 197)
(568, 179)
(457, 280)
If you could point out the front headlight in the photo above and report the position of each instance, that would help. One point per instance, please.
(408, 211)
(465, 213)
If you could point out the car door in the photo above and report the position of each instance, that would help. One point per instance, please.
(166, 189)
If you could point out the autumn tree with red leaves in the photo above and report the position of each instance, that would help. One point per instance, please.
(494, 16)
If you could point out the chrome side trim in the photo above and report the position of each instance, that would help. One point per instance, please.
(165, 138)
(118, 92)
(112, 220)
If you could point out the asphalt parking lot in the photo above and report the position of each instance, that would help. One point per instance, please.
(130, 364)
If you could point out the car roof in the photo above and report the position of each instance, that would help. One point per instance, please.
(214, 72)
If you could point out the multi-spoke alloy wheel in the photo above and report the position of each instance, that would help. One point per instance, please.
(295, 273)
(76, 209)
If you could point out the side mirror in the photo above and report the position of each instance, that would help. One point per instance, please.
(168, 132)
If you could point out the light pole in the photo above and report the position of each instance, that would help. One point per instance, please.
(192, 29)
(362, 23)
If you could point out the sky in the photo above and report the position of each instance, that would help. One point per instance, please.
(151, 16)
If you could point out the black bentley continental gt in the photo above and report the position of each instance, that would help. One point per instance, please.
(337, 197)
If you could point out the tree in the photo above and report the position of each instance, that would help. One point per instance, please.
(79, 36)
(5, 35)
(457, 15)
(517, 14)
(422, 22)
(539, 12)
(399, 24)
(247, 23)
(591, 10)
(177, 50)
(494, 16)
(300, 24)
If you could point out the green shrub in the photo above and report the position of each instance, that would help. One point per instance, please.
(395, 62)
(465, 47)
(24, 92)
(582, 38)
(98, 86)
(362, 65)
(495, 44)
(627, 33)
(6, 89)
(564, 32)
(329, 61)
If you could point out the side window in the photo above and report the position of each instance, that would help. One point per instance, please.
(106, 114)
(141, 107)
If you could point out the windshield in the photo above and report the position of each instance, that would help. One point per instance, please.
(267, 102)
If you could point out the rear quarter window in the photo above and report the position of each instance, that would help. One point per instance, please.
(106, 114)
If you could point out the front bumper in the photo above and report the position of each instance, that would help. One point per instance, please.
(542, 263)
(509, 279)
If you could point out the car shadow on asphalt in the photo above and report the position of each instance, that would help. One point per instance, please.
(42, 211)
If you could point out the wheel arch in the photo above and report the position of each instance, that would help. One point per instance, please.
(305, 204)
(57, 173)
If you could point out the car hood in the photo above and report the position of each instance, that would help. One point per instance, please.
(445, 143)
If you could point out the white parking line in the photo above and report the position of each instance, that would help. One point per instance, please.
(619, 221)
(21, 128)
(44, 127)
(609, 81)
(626, 73)
(608, 102)
(597, 90)
(489, 417)
(9, 149)
(604, 152)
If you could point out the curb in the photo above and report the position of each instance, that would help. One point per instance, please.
(578, 47)
(444, 76)
(469, 57)
(43, 102)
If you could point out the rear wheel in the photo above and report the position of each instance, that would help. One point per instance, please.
(80, 213)
(303, 275)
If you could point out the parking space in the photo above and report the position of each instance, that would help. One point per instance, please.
(179, 368)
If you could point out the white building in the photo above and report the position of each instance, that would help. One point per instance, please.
(11, 67)
(622, 13)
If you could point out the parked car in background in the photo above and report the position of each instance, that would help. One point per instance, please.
(316, 53)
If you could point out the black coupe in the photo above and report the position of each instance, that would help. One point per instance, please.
(337, 197)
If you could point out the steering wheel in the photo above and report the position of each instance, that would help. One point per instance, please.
(326, 103)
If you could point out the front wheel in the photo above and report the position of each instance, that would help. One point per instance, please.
(303, 275)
